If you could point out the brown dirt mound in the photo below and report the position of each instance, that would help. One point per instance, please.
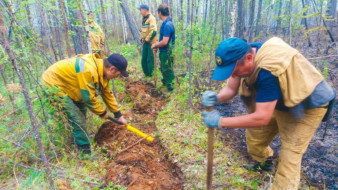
(138, 165)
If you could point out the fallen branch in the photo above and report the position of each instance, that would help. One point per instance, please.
(133, 144)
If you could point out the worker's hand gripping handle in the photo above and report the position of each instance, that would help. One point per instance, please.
(210, 153)
(114, 120)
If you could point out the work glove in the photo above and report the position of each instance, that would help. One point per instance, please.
(212, 118)
(209, 98)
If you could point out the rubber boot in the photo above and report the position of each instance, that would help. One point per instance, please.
(261, 166)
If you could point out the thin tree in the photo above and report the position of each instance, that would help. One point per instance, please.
(131, 21)
(28, 102)
(106, 39)
(190, 56)
(240, 19)
(258, 21)
(66, 27)
(305, 6)
(251, 19)
(213, 40)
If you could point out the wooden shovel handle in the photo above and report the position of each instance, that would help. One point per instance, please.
(210, 154)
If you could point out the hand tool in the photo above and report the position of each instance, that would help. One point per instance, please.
(136, 131)
(155, 70)
(210, 154)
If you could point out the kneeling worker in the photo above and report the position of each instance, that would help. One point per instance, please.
(81, 79)
(284, 94)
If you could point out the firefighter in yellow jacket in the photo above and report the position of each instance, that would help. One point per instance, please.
(81, 79)
(148, 37)
(96, 35)
(285, 95)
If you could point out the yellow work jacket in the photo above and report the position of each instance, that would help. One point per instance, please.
(297, 77)
(81, 78)
(96, 36)
(149, 29)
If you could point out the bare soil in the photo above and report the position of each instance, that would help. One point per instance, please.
(133, 163)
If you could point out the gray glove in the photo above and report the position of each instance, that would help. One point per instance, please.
(209, 98)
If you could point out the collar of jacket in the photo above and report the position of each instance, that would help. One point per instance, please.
(145, 18)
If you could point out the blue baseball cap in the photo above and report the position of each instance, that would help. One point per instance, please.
(143, 6)
(228, 52)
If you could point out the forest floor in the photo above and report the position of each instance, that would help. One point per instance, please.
(133, 163)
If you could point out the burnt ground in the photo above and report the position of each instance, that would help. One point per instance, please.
(319, 164)
(133, 163)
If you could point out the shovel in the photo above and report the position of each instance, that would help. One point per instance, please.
(136, 131)
(210, 154)
(155, 73)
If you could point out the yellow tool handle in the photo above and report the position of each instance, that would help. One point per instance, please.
(134, 130)
(140, 133)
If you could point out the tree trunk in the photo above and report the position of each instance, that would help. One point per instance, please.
(29, 16)
(279, 19)
(258, 21)
(46, 30)
(181, 10)
(213, 39)
(106, 40)
(28, 102)
(69, 51)
(331, 12)
(205, 11)
(190, 57)
(251, 19)
(131, 22)
(240, 19)
(233, 19)
(290, 22)
(306, 26)
(188, 12)
(80, 38)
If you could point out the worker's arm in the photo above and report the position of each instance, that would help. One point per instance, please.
(230, 91)
(109, 99)
(261, 117)
(152, 29)
(162, 43)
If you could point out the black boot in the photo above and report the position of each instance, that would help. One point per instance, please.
(85, 149)
(261, 166)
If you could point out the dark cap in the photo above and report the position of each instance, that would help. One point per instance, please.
(143, 6)
(119, 62)
(227, 54)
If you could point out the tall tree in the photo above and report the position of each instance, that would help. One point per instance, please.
(131, 21)
(279, 19)
(80, 38)
(258, 21)
(251, 19)
(305, 6)
(66, 27)
(106, 38)
(240, 19)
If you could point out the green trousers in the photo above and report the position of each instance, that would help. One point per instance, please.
(167, 61)
(147, 60)
(76, 113)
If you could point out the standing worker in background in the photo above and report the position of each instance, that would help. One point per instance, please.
(284, 94)
(96, 35)
(81, 79)
(148, 37)
(166, 44)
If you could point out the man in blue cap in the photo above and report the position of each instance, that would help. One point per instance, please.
(284, 94)
(148, 37)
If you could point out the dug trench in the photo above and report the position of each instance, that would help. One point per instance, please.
(133, 162)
